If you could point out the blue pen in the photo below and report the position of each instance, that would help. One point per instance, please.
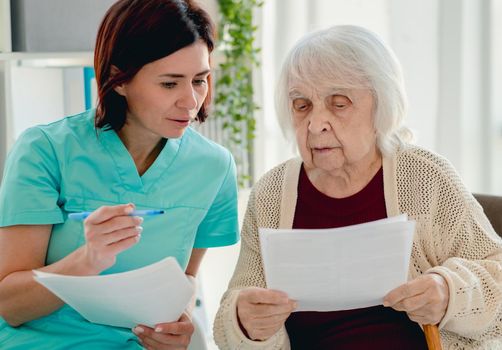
(84, 214)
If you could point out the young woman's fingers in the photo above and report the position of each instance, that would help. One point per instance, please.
(107, 212)
(120, 235)
(120, 246)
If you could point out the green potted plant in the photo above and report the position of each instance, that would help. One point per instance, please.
(234, 103)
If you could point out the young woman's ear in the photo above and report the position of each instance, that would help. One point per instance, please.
(119, 89)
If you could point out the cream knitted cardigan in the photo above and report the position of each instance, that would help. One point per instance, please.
(453, 238)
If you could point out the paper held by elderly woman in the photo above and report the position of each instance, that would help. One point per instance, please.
(338, 269)
(149, 295)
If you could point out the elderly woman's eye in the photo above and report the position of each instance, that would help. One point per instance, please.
(301, 104)
(339, 101)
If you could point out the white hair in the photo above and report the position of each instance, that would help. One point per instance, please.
(351, 57)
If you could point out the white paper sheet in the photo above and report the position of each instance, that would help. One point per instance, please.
(338, 269)
(156, 293)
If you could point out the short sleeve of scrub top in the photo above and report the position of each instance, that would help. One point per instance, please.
(30, 190)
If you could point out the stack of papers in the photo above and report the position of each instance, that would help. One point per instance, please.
(157, 293)
(338, 269)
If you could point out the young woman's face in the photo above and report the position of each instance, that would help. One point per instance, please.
(166, 95)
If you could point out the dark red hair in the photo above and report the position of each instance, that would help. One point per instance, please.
(134, 33)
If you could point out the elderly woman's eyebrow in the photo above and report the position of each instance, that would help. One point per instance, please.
(338, 91)
(295, 94)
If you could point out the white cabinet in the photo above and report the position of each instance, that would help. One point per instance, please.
(37, 87)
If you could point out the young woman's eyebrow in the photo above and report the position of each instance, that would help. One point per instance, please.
(175, 75)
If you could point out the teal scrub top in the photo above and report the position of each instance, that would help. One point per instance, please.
(69, 166)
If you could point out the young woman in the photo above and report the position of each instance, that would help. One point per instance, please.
(135, 150)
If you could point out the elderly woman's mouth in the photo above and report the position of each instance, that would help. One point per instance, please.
(323, 149)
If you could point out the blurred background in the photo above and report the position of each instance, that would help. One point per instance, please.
(449, 50)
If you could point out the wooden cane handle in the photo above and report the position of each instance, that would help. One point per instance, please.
(432, 337)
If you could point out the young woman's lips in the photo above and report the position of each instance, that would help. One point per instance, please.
(181, 122)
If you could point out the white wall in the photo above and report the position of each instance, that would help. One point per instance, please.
(496, 102)
(34, 101)
(413, 36)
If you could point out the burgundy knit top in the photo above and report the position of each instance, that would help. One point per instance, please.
(375, 327)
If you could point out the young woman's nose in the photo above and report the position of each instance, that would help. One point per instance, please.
(187, 100)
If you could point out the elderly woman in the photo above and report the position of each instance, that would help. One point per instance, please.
(341, 94)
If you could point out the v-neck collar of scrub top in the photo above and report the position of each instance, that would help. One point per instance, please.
(124, 164)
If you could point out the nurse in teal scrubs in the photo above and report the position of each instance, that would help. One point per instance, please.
(135, 151)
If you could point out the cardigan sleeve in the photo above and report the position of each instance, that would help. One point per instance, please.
(455, 240)
(248, 273)
(473, 270)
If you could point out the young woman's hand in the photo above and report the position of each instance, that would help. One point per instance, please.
(425, 299)
(109, 231)
(262, 312)
(166, 336)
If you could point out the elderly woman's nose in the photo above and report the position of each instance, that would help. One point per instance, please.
(319, 121)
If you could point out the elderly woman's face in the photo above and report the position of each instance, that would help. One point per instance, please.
(334, 129)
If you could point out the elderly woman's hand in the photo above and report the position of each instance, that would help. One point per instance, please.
(424, 299)
(262, 312)
(166, 336)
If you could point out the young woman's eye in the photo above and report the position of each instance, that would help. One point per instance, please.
(200, 82)
(301, 105)
(169, 85)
